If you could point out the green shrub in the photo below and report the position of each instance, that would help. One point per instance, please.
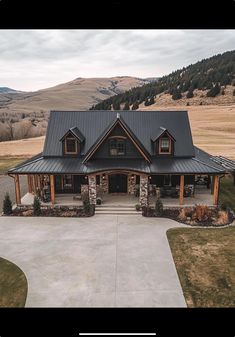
(159, 207)
(137, 207)
(36, 207)
(7, 204)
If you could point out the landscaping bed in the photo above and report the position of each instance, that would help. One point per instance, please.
(204, 259)
(56, 211)
(198, 215)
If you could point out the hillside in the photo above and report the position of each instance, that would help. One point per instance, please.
(7, 90)
(24, 115)
(210, 81)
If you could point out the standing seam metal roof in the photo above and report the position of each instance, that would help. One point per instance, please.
(143, 124)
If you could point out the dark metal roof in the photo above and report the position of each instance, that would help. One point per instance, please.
(76, 132)
(56, 165)
(160, 132)
(227, 163)
(143, 124)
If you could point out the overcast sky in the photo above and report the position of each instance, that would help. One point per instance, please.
(37, 59)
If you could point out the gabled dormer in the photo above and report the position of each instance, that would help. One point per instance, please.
(72, 142)
(163, 143)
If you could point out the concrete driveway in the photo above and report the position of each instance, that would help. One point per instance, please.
(102, 261)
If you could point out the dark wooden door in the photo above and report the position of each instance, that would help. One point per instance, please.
(79, 180)
(118, 183)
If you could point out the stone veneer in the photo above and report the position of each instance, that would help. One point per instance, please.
(104, 183)
(144, 190)
(131, 182)
(92, 189)
(84, 189)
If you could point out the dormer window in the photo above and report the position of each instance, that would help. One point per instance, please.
(165, 145)
(71, 145)
(72, 142)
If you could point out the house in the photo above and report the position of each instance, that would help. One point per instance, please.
(137, 153)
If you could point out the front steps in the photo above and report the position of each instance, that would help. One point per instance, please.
(116, 210)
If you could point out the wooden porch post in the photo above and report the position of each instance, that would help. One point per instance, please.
(17, 189)
(29, 183)
(181, 189)
(52, 186)
(216, 191)
(212, 184)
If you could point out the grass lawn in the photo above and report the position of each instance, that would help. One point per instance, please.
(227, 192)
(7, 162)
(205, 262)
(13, 285)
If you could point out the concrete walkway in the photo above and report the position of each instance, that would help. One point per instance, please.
(102, 261)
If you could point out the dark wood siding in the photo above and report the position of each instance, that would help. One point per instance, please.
(131, 150)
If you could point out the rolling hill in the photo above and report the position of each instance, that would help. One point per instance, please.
(25, 114)
(210, 81)
(79, 94)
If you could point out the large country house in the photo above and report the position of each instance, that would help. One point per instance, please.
(138, 155)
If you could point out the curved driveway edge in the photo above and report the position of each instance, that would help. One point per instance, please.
(102, 261)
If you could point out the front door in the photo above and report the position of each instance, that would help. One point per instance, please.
(118, 183)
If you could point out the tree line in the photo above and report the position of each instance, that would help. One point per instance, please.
(211, 74)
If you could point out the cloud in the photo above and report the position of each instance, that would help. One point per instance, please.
(35, 59)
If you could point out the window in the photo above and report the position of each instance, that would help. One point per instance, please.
(68, 181)
(70, 145)
(117, 147)
(164, 145)
(98, 180)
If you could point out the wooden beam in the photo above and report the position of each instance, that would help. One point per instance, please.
(29, 183)
(52, 186)
(17, 189)
(216, 191)
(212, 184)
(181, 189)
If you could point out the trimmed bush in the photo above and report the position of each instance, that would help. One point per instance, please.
(137, 207)
(36, 207)
(7, 205)
(158, 207)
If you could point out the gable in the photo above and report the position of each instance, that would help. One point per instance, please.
(117, 133)
(126, 131)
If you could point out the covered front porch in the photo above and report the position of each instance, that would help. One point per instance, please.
(120, 188)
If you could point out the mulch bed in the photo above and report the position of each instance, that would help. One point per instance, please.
(173, 214)
(62, 211)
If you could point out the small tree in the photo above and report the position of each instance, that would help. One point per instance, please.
(36, 206)
(214, 91)
(190, 94)
(176, 95)
(158, 207)
(135, 106)
(151, 101)
(126, 106)
(7, 204)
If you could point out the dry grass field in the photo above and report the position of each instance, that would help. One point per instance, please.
(22, 148)
(213, 126)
